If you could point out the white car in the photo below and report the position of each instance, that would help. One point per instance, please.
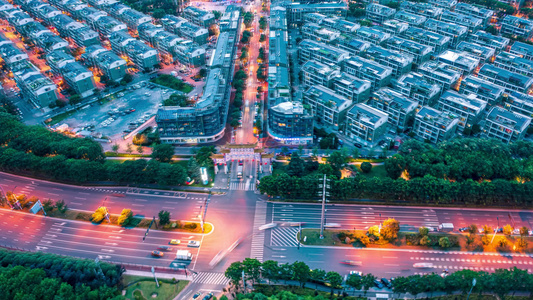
(267, 226)
(193, 244)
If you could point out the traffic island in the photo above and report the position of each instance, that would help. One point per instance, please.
(145, 288)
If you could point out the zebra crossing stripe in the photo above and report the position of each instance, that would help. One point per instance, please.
(211, 278)
(258, 238)
(284, 236)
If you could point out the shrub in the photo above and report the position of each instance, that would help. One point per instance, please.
(99, 215)
(125, 217)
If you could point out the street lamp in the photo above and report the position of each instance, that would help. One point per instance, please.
(473, 285)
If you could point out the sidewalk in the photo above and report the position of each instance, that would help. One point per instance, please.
(159, 275)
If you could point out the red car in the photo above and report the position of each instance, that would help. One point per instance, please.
(156, 253)
(351, 262)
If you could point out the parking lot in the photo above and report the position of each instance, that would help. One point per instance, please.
(122, 114)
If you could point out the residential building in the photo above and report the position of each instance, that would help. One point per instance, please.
(352, 45)
(340, 24)
(421, 8)
(49, 42)
(69, 28)
(498, 43)
(484, 54)
(373, 35)
(509, 80)
(437, 41)
(198, 16)
(482, 89)
(317, 73)
(277, 51)
(399, 62)
(5, 5)
(296, 11)
(445, 4)
(471, 22)
(18, 19)
(378, 75)
(230, 20)
(505, 125)
(147, 31)
(193, 32)
(308, 49)
(460, 60)
(107, 62)
(420, 53)
(119, 40)
(11, 54)
(74, 74)
(394, 27)
(189, 54)
(455, 32)
(379, 13)
(365, 123)
(434, 126)
(107, 26)
(399, 108)
(410, 18)
(46, 12)
(327, 106)
(89, 15)
(278, 18)
(134, 18)
(475, 11)
(514, 63)
(516, 26)
(351, 87)
(523, 50)
(34, 86)
(519, 103)
(290, 123)
(444, 75)
(318, 33)
(143, 56)
(468, 109)
(415, 86)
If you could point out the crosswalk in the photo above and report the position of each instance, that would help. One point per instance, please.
(284, 236)
(258, 238)
(211, 278)
(242, 186)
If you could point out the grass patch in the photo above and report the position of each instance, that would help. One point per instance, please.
(144, 287)
(377, 171)
(54, 120)
(113, 154)
(172, 83)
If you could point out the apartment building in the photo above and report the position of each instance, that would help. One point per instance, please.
(416, 87)
(410, 18)
(278, 18)
(351, 87)
(108, 25)
(189, 54)
(366, 123)
(400, 63)
(34, 86)
(229, 22)
(147, 31)
(333, 23)
(438, 42)
(290, 123)
(523, 50)
(471, 22)
(373, 35)
(5, 5)
(133, 18)
(49, 42)
(308, 49)
(296, 11)
(514, 63)
(198, 16)
(399, 108)
(315, 32)
(420, 53)
(434, 126)
(505, 125)
(141, 55)
(277, 50)
(352, 45)
(519, 103)
(455, 32)
(379, 13)
(498, 43)
(468, 109)
(482, 89)
(467, 64)
(317, 73)
(74, 74)
(421, 8)
(193, 32)
(445, 4)
(475, 11)
(444, 75)
(11, 54)
(509, 80)
(106, 62)
(516, 26)
(484, 54)
(327, 106)
(378, 75)
(119, 40)
(394, 27)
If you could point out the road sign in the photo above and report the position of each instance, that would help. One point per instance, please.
(36, 207)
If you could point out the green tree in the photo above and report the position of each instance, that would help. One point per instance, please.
(262, 38)
(263, 23)
(366, 167)
(217, 14)
(129, 148)
(318, 275)
(61, 206)
(234, 273)
(444, 242)
(271, 270)
(368, 282)
(524, 231)
(337, 160)
(300, 272)
(334, 279)
(140, 149)
(252, 269)
(163, 152)
(355, 281)
(164, 217)
(125, 217)
(423, 231)
(234, 123)
(193, 169)
(472, 229)
(507, 230)
(115, 148)
(425, 241)
(296, 166)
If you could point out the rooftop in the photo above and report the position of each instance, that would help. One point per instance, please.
(368, 114)
(394, 99)
(465, 101)
(328, 97)
(509, 119)
(476, 50)
(519, 80)
(443, 120)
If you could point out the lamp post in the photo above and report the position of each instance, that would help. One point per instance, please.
(473, 285)
(379, 228)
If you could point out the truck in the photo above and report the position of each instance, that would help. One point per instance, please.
(240, 169)
(446, 227)
(183, 255)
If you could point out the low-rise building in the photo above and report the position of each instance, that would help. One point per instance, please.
(230, 20)
(410, 18)
(399, 108)
(415, 86)
(475, 11)
(422, 9)
(318, 33)
(33, 85)
(297, 11)
(317, 73)
(514, 63)
(290, 123)
(193, 32)
(484, 54)
(516, 26)
(471, 22)
(433, 125)
(107, 25)
(277, 50)
(143, 56)
(378, 75)
(509, 80)
(373, 35)
(519, 103)
(49, 42)
(107, 62)
(523, 50)
(189, 54)
(327, 106)
(437, 41)
(5, 5)
(352, 45)
(445, 4)
(278, 18)
(468, 109)
(198, 16)
(379, 13)
(444, 75)
(351, 87)
(77, 77)
(366, 123)
(455, 32)
(11, 54)
(308, 49)
(482, 89)
(505, 125)
(420, 53)
(134, 18)
(498, 43)
(394, 26)
(460, 60)
(399, 62)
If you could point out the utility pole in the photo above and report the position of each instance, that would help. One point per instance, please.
(496, 230)
(323, 215)
(473, 285)
(243, 282)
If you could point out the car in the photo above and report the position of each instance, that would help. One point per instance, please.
(358, 145)
(156, 253)
(174, 242)
(197, 295)
(267, 226)
(332, 225)
(208, 296)
(164, 248)
(193, 244)
(351, 263)
(358, 273)
(386, 283)
(378, 284)
(463, 229)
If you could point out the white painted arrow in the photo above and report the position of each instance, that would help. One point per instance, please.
(280, 256)
(104, 256)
